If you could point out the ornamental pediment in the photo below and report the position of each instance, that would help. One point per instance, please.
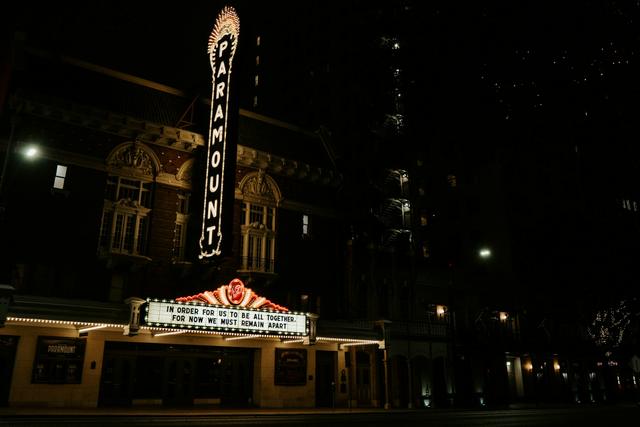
(258, 186)
(135, 158)
(234, 294)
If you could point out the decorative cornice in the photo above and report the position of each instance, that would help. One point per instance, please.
(250, 157)
(114, 124)
(171, 180)
(173, 138)
(126, 205)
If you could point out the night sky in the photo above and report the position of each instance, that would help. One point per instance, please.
(528, 60)
(543, 95)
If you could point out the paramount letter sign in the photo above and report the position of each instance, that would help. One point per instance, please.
(222, 47)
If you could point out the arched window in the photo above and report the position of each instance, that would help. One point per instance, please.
(260, 199)
(124, 228)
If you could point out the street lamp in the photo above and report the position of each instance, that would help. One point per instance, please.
(31, 151)
(6, 290)
(484, 253)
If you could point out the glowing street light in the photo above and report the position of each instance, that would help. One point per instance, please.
(484, 253)
(31, 152)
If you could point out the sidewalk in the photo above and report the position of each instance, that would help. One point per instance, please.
(208, 411)
(182, 412)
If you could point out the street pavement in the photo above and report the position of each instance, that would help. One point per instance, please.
(605, 416)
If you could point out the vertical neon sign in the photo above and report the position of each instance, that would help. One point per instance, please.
(223, 42)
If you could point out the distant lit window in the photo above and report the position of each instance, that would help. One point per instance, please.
(305, 225)
(256, 80)
(258, 41)
(257, 60)
(255, 101)
(425, 251)
(406, 214)
(452, 180)
(424, 219)
(61, 174)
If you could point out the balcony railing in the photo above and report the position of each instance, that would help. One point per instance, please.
(256, 264)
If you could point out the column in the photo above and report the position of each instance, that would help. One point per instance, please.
(353, 372)
(134, 318)
(409, 383)
(386, 379)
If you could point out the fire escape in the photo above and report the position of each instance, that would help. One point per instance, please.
(395, 208)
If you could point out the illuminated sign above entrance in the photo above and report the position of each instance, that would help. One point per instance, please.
(223, 42)
(212, 317)
(232, 308)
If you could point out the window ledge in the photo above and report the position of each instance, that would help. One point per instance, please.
(256, 272)
(142, 259)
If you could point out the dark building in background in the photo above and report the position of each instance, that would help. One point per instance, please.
(492, 210)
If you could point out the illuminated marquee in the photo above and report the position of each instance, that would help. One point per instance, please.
(212, 317)
(222, 47)
(231, 308)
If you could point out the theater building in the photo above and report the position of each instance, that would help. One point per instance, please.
(134, 278)
(108, 302)
(110, 202)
